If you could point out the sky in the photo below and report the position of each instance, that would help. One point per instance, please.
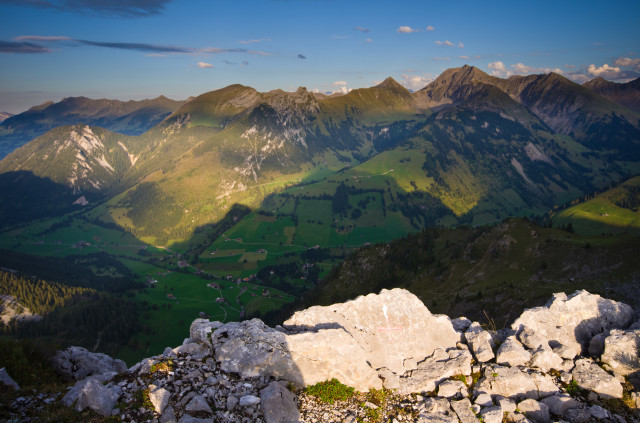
(136, 49)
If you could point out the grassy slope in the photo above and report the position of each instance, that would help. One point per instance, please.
(603, 214)
(496, 270)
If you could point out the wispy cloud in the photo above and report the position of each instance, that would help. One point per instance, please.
(205, 65)
(477, 56)
(302, 56)
(442, 58)
(40, 44)
(447, 43)
(22, 47)
(430, 28)
(259, 40)
(625, 61)
(368, 40)
(361, 29)
(338, 83)
(116, 8)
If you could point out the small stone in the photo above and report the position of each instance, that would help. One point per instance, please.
(231, 402)
(507, 404)
(484, 400)
(492, 415)
(249, 400)
(535, 410)
(198, 404)
(599, 412)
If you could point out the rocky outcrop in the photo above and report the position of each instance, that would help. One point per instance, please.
(76, 363)
(568, 323)
(7, 380)
(438, 371)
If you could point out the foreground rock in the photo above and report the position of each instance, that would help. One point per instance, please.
(76, 363)
(568, 323)
(245, 371)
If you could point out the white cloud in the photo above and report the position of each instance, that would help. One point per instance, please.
(338, 83)
(415, 82)
(447, 43)
(497, 68)
(442, 58)
(430, 28)
(204, 65)
(41, 38)
(625, 61)
(477, 56)
(260, 40)
(604, 71)
(406, 30)
(368, 40)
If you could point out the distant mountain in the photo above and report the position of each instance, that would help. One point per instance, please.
(564, 106)
(627, 94)
(4, 116)
(468, 148)
(126, 117)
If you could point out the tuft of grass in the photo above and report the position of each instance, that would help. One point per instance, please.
(330, 391)
(573, 389)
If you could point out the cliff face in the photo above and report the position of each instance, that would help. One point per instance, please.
(574, 359)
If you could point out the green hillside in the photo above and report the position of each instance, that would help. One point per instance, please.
(614, 211)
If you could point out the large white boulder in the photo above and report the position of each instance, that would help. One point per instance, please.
(568, 323)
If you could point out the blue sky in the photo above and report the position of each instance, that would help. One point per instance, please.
(135, 49)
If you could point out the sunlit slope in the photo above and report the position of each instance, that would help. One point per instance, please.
(613, 211)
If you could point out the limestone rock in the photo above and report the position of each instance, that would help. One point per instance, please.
(596, 346)
(483, 400)
(534, 410)
(169, 416)
(201, 330)
(159, 397)
(89, 393)
(437, 405)
(622, 351)
(278, 404)
(7, 380)
(452, 388)
(531, 338)
(511, 353)
(390, 327)
(506, 404)
(509, 382)
(590, 376)
(492, 415)
(327, 354)
(577, 415)
(249, 400)
(545, 359)
(463, 411)
(599, 412)
(428, 417)
(559, 404)
(76, 363)
(461, 323)
(253, 349)
(573, 320)
(435, 369)
(198, 405)
(481, 342)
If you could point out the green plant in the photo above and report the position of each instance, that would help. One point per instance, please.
(378, 396)
(330, 391)
(572, 388)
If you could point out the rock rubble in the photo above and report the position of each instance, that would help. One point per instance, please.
(427, 367)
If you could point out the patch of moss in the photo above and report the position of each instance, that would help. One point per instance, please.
(330, 391)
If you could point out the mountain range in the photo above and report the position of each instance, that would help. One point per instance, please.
(478, 148)
(127, 117)
(239, 201)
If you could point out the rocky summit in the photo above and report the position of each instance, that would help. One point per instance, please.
(575, 359)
